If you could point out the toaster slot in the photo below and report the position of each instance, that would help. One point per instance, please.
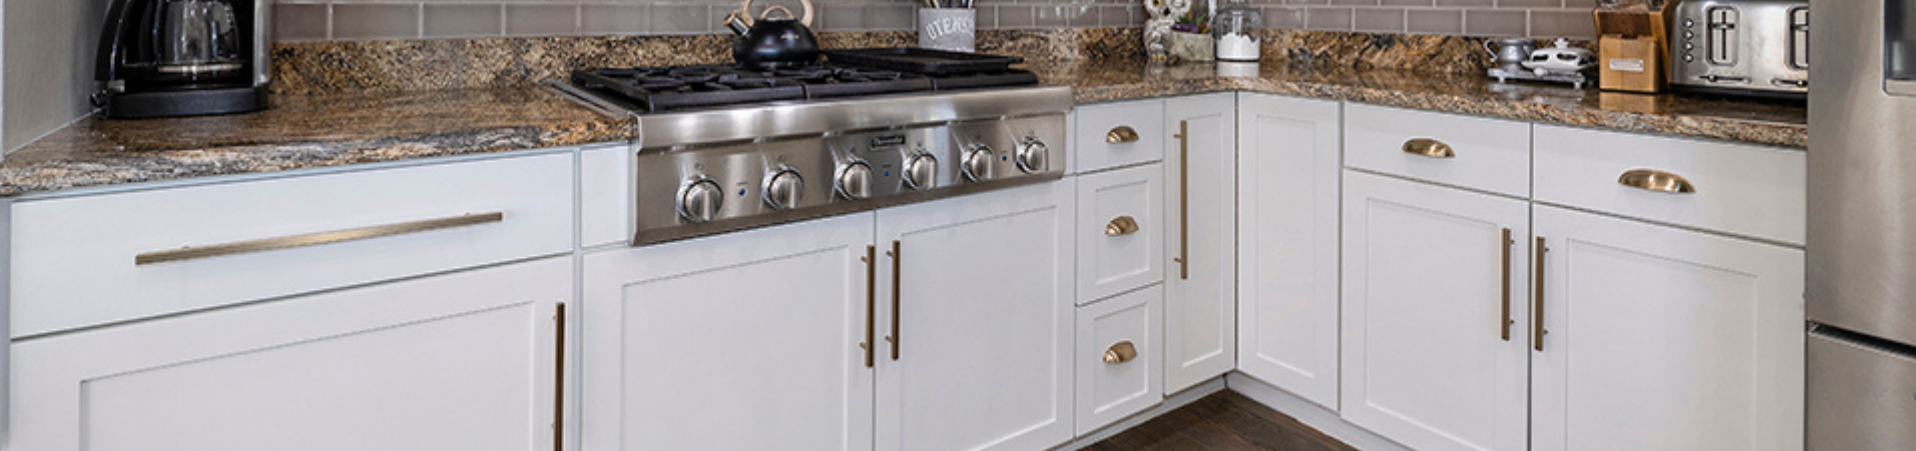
(1800, 37)
(1722, 35)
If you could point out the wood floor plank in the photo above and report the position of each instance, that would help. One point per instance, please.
(1225, 421)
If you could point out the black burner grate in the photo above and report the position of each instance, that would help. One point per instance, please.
(688, 87)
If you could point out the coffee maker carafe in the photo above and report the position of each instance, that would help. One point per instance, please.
(162, 58)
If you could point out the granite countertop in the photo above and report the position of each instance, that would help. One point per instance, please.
(301, 132)
(1766, 122)
(310, 131)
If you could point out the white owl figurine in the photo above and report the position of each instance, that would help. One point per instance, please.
(1157, 29)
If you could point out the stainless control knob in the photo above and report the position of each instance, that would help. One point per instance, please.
(854, 180)
(977, 163)
(1031, 156)
(921, 171)
(700, 199)
(783, 188)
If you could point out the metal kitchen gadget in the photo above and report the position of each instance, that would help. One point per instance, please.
(1743, 46)
(724, 148)
(1559, 63)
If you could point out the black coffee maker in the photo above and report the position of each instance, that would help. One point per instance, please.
(161, 58)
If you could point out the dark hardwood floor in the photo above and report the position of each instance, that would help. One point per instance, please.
(1222, 422)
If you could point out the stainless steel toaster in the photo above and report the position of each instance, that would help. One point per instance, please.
(1741, 46)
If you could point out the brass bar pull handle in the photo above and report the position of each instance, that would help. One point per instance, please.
(1124, 134)
(1121, 352)
(871, 305)
(1507, 320)
(314, 239)
(1121, 226)
(897, 255)
(1427, 147)
(1536, 324)
(558, 381)
(1184, 201)
(1655, 180)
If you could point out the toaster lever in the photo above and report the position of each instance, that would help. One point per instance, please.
(1793, 82)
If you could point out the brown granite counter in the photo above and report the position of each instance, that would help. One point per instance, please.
(343, 127)
(305, 132)
(1778, 123)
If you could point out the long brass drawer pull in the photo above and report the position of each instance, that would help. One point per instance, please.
(897, 255)
(1184, 201)
(1121, 226)
(314, 239)
(1124, 134)
(871, 305)
(1536, 325)
(1429, 148)
(1506, 319)
(1122, 352)
(1655, 180)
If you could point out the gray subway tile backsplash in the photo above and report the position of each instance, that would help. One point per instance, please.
(542, 20)
(318, 20)
(463, 20)
(359, 21)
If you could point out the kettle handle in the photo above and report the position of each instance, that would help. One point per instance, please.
(745, 12)
(1487, 43)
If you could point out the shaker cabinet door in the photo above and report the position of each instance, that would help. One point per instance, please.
(1434, 336)
(1287, 208)
(1660, 338)
(748, 341)
(1200, 298)
(979, 356)
(462, 361)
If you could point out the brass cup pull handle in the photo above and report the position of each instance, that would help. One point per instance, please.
(1124, 134)
(1655, 180)
(1431, 148)
(1122, 352)
(1121, 226)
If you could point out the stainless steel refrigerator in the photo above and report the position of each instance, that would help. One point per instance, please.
(1861, 290)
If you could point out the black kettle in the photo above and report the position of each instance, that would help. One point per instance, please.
(769, 42)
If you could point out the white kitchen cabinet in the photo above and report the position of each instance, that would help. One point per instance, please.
(1118, 357)
(1287, 211)
(1120, 246)
(747, 341)
(1433, 348)
(1660, 338)
(1200, 308)
(1117, 134)
(979, 355)
(462, 361)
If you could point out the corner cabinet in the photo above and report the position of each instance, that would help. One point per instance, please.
(462, 361)
(1287, 185)
(1200, 296)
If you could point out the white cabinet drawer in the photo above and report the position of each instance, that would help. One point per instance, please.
(1739, 189)
(1483, 154)
(1102, 140)
(1120, 242)
(75, 259)
(1118, 357)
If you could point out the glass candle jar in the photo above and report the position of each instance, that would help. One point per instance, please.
(1236, 28)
